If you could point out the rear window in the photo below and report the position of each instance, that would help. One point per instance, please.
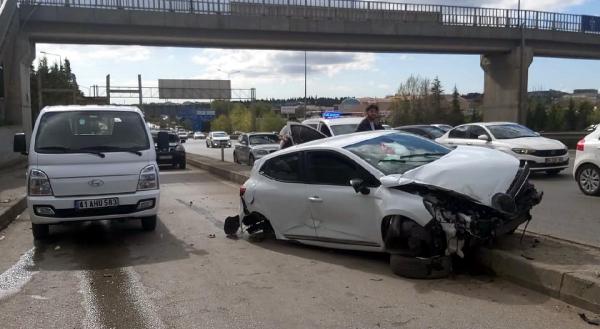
(344, 129)
(219, 135)
(264, 139)
(71, 131)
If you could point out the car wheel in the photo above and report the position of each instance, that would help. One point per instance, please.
(40, 231)
(588, 179)
(421, 268)
(182, 164)
(251, 160)
(553, 172)
(235, 158)
(149, 223)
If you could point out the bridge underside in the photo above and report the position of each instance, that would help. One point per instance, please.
(500, 47)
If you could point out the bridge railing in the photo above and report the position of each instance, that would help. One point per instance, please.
(354, 10)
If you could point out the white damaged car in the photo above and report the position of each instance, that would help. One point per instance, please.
(386, 191)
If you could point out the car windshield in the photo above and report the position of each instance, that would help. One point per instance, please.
(344, 129)
(264, 139)
(433, 131)
(78, 131)
(510, 131)
(219, 135)
(398, 153)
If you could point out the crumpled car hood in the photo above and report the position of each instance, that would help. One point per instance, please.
(267, 147)
(476, 172)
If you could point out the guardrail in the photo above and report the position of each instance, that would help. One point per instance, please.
(354, 10)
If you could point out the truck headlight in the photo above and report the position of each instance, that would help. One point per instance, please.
(39, 184)
(148, 179)
(523, 151)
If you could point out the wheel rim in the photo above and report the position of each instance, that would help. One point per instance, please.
(589, 179)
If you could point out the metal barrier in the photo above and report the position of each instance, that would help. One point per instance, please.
(353, 10)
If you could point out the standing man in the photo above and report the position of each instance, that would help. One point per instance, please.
(371, 120)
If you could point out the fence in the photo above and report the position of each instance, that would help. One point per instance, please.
(353, 10)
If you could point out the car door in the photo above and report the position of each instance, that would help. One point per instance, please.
(473, 133)
(244, 148)
(457, 136)
(341, 215)
(300, 133)
(282, 196)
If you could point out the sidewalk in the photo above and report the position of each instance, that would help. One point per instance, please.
(564, 270)
(12, 193)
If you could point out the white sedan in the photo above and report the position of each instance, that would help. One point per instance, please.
(386, 191)
(542, 154)
(587, 163)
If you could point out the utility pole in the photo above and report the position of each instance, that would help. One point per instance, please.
(140, 88)
(305, 74)
(522, 116)
(108, 89)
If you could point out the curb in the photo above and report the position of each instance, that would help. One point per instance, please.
(12, 212)
(577, 287)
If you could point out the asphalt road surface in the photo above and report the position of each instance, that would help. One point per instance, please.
(101, 275)
(565, 212)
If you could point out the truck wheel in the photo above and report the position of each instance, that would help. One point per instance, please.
(149, 223)
(40, 231)
(421, 268)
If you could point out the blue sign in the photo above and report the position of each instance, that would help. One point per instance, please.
(331, 115)
(590, 23)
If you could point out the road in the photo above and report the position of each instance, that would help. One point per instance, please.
(100, 275)
(565, 212)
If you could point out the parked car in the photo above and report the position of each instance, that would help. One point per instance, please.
(427, 131)
(218, 139)
(199, 135)
(334, 127)
(183, 135)
(90, 163)
(587, 163)
(386, 191)
(172, 153)
(542, 154)
(253, 146)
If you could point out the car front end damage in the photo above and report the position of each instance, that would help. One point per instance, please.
(460, 222)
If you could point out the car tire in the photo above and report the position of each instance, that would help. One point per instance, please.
(40, 231)
(588, 179)
(149, 223)
(553, 172)
(235, 158)
(251, 160)
(182, 164)
(421, 268)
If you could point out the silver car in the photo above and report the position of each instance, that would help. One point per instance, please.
(253, 146)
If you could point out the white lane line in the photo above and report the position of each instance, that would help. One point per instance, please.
(17, 276)
(89, 303)
(142, 302)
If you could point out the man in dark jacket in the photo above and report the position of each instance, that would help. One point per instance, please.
(371, 120)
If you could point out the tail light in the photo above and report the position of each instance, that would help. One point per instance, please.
(581, 145)
(242, 190)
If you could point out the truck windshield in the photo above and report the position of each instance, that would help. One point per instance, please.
(82, 131)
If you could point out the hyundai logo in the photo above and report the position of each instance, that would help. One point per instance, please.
(96, 182)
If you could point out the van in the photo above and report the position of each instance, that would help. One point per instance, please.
(90, 163)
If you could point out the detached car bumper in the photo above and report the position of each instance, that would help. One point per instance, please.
(135, 205)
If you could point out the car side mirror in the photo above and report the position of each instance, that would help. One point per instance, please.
(162, 140)
(359, 186)
(20, 144)
(484, 138)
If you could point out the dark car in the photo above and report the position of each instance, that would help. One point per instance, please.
(427, 131)
(174, 155)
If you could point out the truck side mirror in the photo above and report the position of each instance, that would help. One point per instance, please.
(20, 144)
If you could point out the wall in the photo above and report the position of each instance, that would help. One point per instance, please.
(7, 156)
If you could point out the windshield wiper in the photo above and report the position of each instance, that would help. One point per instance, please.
(422, 155)
(114, 149)
(68, 150)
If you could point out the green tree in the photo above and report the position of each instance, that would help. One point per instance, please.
(456, 116)
(270, 122)
(538, 116)
(571, 116)
(436, 99)
(221, 107)
(240, 118)
(585, 110)
(554, 120)
(221, 123)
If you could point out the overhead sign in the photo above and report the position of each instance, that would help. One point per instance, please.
(194, 89)
(288, 109)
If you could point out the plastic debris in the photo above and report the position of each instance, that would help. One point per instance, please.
(378, 279)
(595, 320)
(171, 212)
(211, 236)
(527, 257)
(57, 248)
(2, 237)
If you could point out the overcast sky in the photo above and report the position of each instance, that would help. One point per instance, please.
(280, 74)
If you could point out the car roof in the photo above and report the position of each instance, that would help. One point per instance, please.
(417, 126)
(342, 141)
(336, 121)
(493, 123)
(261, 133)
(66, 108)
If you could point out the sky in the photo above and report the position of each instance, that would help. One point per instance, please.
(280, 74)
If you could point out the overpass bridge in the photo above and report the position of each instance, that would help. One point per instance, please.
(320, 25)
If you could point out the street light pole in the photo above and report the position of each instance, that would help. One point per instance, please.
(305, 74)
(522, 117)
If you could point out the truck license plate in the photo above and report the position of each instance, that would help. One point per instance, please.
(96, 203)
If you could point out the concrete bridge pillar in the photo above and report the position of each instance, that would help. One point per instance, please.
(503, 85)
(17, 66)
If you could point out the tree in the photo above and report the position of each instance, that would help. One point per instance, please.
(436, 98)
(456, 116)
(240, 118)
(554, 120)
(571, 116)
(221, 123)
(585, 110)
(413, 101)
(270, 122)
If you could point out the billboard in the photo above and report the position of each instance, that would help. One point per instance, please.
(288, 109)
(194, 89)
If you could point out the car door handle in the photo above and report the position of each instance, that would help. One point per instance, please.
(315, 199)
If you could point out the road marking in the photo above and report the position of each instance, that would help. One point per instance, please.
(17, 276)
